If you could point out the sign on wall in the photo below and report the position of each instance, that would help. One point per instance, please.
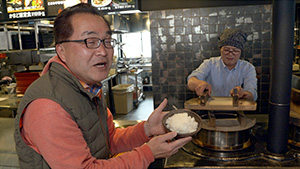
(25, 9)
(56, 6)
(115, 5)
(19, 9)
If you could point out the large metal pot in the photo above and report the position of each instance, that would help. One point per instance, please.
(227, 134)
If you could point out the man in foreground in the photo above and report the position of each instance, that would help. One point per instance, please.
(63, 121)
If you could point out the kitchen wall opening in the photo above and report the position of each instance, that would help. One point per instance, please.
(137, 44)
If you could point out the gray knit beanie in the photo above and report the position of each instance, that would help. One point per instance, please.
(232, 37)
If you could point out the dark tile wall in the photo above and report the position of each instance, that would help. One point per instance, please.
(181, 39)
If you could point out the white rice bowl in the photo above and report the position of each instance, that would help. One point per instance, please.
(182, 123)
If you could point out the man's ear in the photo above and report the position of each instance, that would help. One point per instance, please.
(60, 50)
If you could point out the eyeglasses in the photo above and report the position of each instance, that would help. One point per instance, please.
(226, 51)
(93, 43)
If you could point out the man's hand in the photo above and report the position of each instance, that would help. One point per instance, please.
(160, 144)
(199, 86)
(162, 147)
(242, 93)
(153, 125)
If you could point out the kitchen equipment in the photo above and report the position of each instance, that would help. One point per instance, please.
(190, 114)
(227, 134)
(235, 98)
(204, 98)
(220, 103)
(253, 156)
(227, 130)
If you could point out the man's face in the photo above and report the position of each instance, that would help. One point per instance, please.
(230, 55)
(89, 65)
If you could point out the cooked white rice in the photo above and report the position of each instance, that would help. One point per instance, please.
(182, 123)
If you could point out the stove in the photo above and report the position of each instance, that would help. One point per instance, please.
(254, 155)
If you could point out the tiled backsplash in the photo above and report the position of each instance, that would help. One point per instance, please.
(181, 39)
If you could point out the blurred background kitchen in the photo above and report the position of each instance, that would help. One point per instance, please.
(160, 43)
